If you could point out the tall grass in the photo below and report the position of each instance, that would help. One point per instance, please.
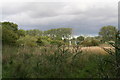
(115, 55)
(54, 62)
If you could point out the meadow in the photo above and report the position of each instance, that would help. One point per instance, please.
(56, 62)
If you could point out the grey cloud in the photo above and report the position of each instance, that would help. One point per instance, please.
(83, 18)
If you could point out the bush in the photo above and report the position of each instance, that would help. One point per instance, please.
(90, 42)
(24, 63)
(43, 40)
(27, 41)
(57, 42)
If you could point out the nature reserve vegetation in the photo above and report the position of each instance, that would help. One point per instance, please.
(55, 53)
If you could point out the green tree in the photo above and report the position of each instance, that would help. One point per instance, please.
(27, 41)
(57, 42)
(80, 38)
(34, 32)
(21, 32)
(10, 26)
(108, 33)
(0, 32)
(9, 33)
(43, 40)
(90, 41)
(59, 33)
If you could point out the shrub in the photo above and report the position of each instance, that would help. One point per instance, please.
(57, 42)
(24, 63)
(92, 42)
(27, 41)
(43, 40)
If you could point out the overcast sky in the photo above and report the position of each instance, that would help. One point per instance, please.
(84, 16)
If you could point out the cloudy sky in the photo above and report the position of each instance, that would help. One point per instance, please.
(84, 16)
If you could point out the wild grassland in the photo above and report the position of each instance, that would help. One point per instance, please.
(54, 62)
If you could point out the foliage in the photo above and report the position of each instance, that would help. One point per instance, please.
(57, 42)
(43, 40)
(10, 26)
(60, 32)
(80, 38)
(21, 32)
(0, 32)
(34, 32)
(43, 54)
(9, 33)
(108, 33)
(9, 36)
(90, 42)
(27, 41)
(115, 55)
(19, 62)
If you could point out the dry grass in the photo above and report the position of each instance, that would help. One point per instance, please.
(73, 49)
(92, 49)
(62, 64)
(95, 50)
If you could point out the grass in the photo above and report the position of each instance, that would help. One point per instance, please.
(54, 62)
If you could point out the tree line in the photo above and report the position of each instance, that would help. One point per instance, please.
(11, 35)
